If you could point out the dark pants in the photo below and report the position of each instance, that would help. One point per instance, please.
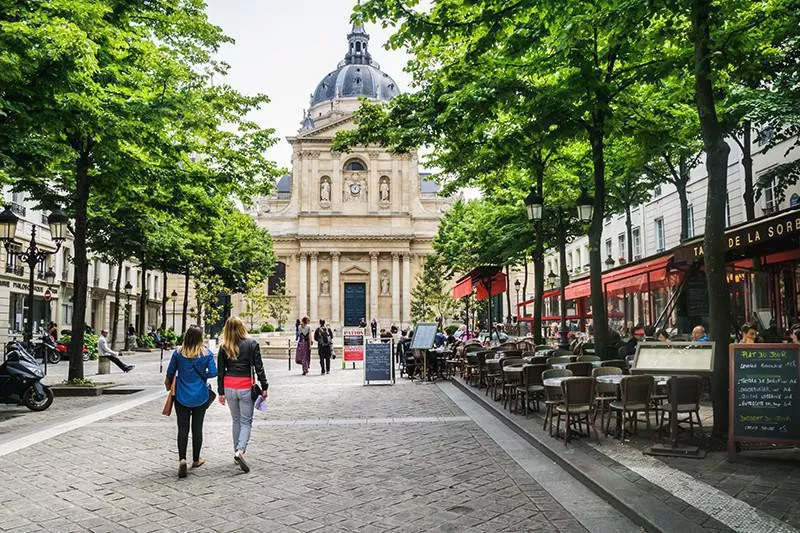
(190, 416)
(324, 358)
(117, 361)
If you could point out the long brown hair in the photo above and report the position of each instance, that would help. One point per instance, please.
(232, 334)
(192, 342)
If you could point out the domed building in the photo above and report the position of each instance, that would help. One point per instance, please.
(350, 230)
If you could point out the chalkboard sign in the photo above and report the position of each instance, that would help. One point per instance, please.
(379, 363)
(697, 296)
(764, 394)
(424, 335)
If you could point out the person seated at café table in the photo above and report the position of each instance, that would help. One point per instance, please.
(749, 334)
(699, 334)
(795, 334)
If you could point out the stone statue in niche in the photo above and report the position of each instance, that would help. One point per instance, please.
(325, 190)
(383, 189)
(385, 283)
(325, 285)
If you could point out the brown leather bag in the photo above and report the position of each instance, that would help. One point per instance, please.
(167, 410)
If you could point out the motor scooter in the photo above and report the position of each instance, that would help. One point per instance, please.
(21, 380)
(47, 348)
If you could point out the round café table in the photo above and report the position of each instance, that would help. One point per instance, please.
(596, 364)
(616, 379)
(554, 382)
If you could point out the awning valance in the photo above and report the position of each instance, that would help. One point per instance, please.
(484, 280)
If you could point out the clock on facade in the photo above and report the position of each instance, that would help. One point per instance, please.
(355, 189)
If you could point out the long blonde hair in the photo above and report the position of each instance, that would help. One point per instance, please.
(192, 342)
(232, 334)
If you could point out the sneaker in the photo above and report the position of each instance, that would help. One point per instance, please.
(239, 459)
(129, 368)
(197, 464)
(182, 469)
(328, 372)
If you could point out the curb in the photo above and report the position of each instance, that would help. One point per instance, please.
(625, 496)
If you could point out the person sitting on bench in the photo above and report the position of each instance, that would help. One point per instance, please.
(103, 350)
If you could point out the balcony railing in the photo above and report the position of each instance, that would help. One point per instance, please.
(15, 269)
(18, 209)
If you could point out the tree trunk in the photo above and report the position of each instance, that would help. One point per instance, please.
(115, 309)
(564, 276)
(714, 241)
(508, 293)
(142, 318)
(683, 197)
(629, 232)
(80, 282)
(164, 302)
(538, 287)
(185, 311)
(747, 163)
(525, 286)
(599, 312)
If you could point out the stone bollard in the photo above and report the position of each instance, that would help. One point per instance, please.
(103, 365)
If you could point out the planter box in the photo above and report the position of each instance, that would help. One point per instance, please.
(80, 390)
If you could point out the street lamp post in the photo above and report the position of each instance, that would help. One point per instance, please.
(174, 298)
(128, 288)
(33, 255)
(534, 205)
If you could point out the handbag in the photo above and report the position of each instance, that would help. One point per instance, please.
(255, 389)
(211, 395)
(170, 401)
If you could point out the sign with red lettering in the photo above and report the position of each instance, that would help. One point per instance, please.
(353, 344)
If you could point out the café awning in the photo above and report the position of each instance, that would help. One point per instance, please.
(483, 280)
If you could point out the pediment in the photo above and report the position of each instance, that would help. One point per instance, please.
(355, 269)
(329, 130)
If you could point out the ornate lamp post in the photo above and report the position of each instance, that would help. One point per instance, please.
(609, 262)
(534, 206)
(516, 287)
(33, 255)
(585, 205)
(174, 298)
(128, 288)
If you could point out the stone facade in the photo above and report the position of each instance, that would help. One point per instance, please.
(365, 217)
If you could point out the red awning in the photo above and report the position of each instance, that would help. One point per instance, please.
(462, 288)
(497, 286)
(579, 289)
(639, 277)
(475, 280)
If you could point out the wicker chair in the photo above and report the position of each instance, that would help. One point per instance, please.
(635, 393)
(577, 406)
(605, 393)
(588, 358)
(471, 368)
(552, 395)
(581, 369)
(531, 387)
(689, 389)
(561, 359)
(617, 363)
(493, 374)
(511, 380)
(539, 360)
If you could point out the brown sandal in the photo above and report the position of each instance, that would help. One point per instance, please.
(200, 462)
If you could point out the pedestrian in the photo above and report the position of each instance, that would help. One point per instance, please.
(749, 334)
(103, 350)
(193, 364)
(297, 330)
(240, 364)
(374, 327)
(303, 357)
(362, 323)
(323, 336)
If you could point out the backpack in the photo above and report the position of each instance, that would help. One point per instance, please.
(321, 336)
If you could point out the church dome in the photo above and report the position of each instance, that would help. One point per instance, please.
(357, 76)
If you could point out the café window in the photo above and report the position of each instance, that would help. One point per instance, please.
(690, 221)
(621, 244)
(661, 244)
(637, 243)
(66, 313)
(608, 248)
(770, 200)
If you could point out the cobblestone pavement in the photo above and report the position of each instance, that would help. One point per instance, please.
(330, 455)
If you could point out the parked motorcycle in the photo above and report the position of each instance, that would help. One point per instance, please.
(63, 348)
(21, 380)
(47, 348)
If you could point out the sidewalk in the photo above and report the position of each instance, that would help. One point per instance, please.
(758, 493)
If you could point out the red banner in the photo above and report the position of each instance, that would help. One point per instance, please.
(353, 344)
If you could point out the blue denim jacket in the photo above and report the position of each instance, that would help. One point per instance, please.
(191, 389)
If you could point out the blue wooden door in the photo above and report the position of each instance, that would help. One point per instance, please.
(355, 303)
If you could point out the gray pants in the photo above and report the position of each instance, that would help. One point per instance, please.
(241, 407)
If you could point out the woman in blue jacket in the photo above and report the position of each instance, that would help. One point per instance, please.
(194, 365)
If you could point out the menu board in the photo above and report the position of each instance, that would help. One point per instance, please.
(378, 363)
(671, 358)
(353, 344)
(424, 335)
(764, 393)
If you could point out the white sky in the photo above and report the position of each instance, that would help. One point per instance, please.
(284, 48)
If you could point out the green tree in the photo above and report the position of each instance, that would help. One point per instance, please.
(430, 298)
(279, 305)
(255, 300)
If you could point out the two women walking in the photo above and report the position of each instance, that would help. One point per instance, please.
(192, 365)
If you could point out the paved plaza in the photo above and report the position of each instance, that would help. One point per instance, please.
(329, 455)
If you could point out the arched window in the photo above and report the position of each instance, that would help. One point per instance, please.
(277, 278)
(355, 165)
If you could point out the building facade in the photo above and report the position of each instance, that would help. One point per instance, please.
(350, 230)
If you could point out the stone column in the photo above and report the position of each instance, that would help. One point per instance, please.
(314, 283)
(335, 287)
(302, 295)
(407, 290)
(396, 288)
(373, 286)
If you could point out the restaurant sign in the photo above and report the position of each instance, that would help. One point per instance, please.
(768, 230)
